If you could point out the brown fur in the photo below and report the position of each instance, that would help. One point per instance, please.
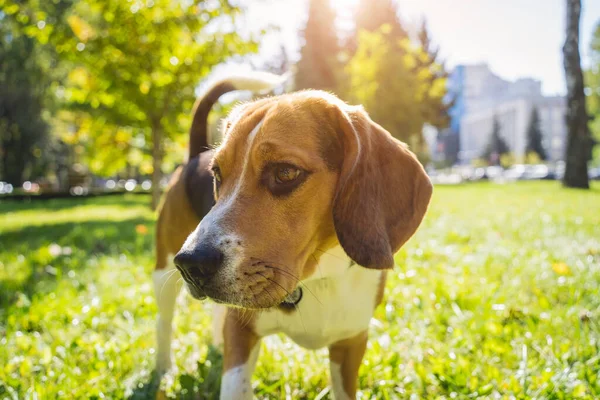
(363, 189)
(381, 289)
(371, 199)
(239, 339)
(188, 196)
(382, 195)
(348, 354)
(176, 220)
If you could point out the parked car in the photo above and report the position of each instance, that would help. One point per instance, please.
(478, 174)
(594, 173)
(514, 173)
(446, 178)
(130, 185)
(30, 187)
(535, 172)
(494, 172)
(5, 188)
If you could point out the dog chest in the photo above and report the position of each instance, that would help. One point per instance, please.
(331, 309)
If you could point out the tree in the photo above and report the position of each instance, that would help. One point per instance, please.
(133, 70)
(371, 15)
(23, 130)
(579, 141)
(401, 83)
(592, 82)
(37, 74)
(383, 78)
(497, 147)
(435, 109)
(318, 67)
(534, 136)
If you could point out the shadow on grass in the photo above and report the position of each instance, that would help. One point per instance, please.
(205, 384)
(7, 206)
(30, 262)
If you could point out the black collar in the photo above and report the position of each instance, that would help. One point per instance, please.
(292, 299)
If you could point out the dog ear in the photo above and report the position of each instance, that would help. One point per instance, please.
(382, 193)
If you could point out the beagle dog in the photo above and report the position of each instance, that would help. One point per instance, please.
(311, 201)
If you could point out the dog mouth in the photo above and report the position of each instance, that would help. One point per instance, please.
(195, 291)
(194, 287)
(256, 286)
(263, 298)
(252, 301)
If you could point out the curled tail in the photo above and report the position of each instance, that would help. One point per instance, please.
(255, 81)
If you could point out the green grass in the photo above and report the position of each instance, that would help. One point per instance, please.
(497, 296)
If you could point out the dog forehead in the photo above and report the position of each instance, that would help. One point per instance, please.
(294, 122)
(300, 120)
(241, 121)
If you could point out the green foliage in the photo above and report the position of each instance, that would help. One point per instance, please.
(401, 84)
(371, 15)
(396, 83)
(592, 82)
(318, 67)
(434, 107)
(535, 136)
(490, 299)
(133, 68)
(508, 159)
(497, 146)
(23, 129)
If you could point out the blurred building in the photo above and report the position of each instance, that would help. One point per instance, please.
(479, 95)
(447, 147)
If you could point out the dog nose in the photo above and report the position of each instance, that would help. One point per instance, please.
(200, 263)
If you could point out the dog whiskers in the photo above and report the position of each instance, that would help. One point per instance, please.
(270, 296)
(244, 314)
(246, 317)
(170, 275)
(329, 254)
(295, 306)
(298, 282)
(318, 265)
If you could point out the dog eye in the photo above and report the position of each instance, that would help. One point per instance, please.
(282, 178)
(286, 173)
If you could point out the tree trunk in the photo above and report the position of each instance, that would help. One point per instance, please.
(157, 156)
(579, 139)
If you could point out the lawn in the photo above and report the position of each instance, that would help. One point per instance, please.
(497, 296)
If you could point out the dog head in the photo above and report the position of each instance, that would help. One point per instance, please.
(295, 176)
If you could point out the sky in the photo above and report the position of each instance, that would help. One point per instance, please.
(516, 38)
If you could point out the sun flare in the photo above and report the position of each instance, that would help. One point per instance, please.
(343, 6)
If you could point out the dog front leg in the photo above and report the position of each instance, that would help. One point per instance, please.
(345, 358)
(241, 349)
(166, 289)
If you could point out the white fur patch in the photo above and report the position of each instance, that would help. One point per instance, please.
(337, 382)
(236, 383)
(332, 263)
(228, 240)
(218, 321)
(166, 288)
(250, 140)
(336, 307)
